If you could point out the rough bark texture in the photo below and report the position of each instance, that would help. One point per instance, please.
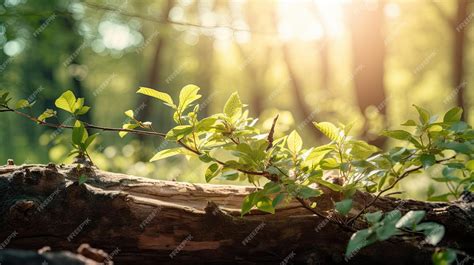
(144, 221)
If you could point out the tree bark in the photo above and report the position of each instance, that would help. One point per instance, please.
(146, 221)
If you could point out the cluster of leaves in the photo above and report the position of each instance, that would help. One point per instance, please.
(80, 139)
(383, 227)
(234, 148)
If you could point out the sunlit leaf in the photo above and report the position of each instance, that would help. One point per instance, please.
(328, 129)
(156, 94)
(453, 115)
(294, 142)
(48, 113)
(66, 101)
(410, 219)
(233, 106)
(166, 153)
(188, 95)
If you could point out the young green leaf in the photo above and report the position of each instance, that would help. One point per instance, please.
(453, 115)
(66, 102)
(249, 201)
(212, 172)
(179, 132)
(424, 115)
(79, 134)
(167, 153)
(233, 106)
(328, 129)
(294, 142)
(48, 113)
(187, 96)
(22, 103)
(82, 179)
(156, 94)
(129, 113)
(128, 126)
(265, 204)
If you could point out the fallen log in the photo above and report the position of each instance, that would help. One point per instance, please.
(145, 221)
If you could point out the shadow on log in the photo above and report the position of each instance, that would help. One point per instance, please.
(144, 221)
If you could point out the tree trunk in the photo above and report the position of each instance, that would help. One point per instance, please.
(366, 25)
(458, 56)
(146, 221)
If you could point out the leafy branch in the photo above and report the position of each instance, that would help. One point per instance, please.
(337, 169)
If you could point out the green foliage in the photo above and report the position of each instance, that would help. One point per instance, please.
(442, 149)
(393, 224)
(68, 102)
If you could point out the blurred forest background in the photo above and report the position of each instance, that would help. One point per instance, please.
(309, 60)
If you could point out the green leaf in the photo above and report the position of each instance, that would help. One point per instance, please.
(188, 95)
(424, 115)
(328, 129)
(344, 206)
(427, 160)
(361, 149)
(359, 240)
(82, 179)
(398, 134)
(444, 257)
(328, 184)
(265, 204)
(127, 126)
(89, 140)
(66, 102)
(388, 228)
(294, 142)
(306, 192)
(374, 217)
(410, 219)
(271, 187)
(233, 106)
(453, 115)
(129, 113)
(249, 201)
(212, 172)
(206, 124)
(433, 232)
(409, 123)
(79, 134)
(48, 113)
(167, 153)
(279, 198)
(83, 110)
(179, 132)
(156, 94)
(22, 103)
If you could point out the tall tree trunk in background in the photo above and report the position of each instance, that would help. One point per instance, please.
(458, 55)
(154, 71)
(458, 28)
(366, 24)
